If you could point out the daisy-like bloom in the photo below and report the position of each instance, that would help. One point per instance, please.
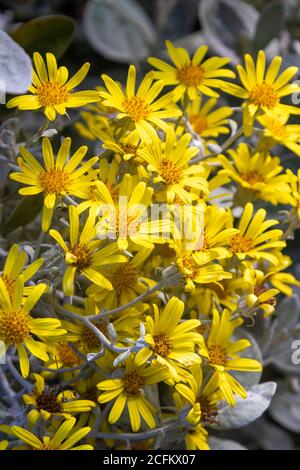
(170, 343)
(294, 182)
(127, 280)
(83, 254)
(258, 173)
(263, 89)
(64, 438)
(141, 108)
(14, 266)
(196, 438)
(277, 131)
(282, 280)
(51, 90)
(197, 267)
(58, 177)
(207, 121)
(128, 392)
(192, 76)
(169, 162)
(17, 326)
(254, 239)
(126, 146)
(46, 402)
(222, 355)
(127, 219)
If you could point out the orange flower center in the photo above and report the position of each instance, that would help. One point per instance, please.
(191, 75)
(170, 172)
(90, 340)
(54, 180)
(136, 108)
(199, 123)
(263, 94)
(162, 345)
(190, 268)
(83, 256)
(52, 93)
(14, 326)
(67, 356)
(252, 177)
(125, 278)
(133, 383)
(241, 243)
(217, 355)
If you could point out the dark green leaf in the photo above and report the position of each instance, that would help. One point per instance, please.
(25, 212)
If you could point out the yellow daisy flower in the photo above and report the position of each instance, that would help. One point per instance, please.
(141, 108)
(64, 438)
(128, 392)
(171, 344)
(207, 121)
(222, 355)
(194, 75)
(254, 240)
(263, 89)
(281, 280)
(258, 173)
(169, 162)
(17, 326)
(82, 253)
(14, 266)
(52, 91)
(277, 131)
(58, 177)
(46, 402)
(196, 438)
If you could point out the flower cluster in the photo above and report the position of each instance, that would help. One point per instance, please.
(128, 314)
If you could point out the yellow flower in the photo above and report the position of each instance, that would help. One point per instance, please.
(294, 182)
(47, 402)
(52, 91)
(64, 438)
(196, 438)
(3, 445)
(254, 240)
(58, 177)
(82, 254)
(263, 89)
(17, 326)
(194, 75)
(141, 108)
(207, 122)
(170, 163)
(13, 267)
(281, 280)
(222, 356)
(171, 344)
(257, 173)
(277, 131)
(128, 391)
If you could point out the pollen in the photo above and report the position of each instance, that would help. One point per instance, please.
(217, 355)
(189, 267)
(136, 108)
(162, 345)
(125, 278)
(47, 401)
(264, 94)
(9, 284)
(14, 326)
(67, 356)
(241, 243)
(133, 383)
(54, 180)
(191, 75)
(170, 173)
(252, 177)
(52, 93)
(83, 256)
(199, 123)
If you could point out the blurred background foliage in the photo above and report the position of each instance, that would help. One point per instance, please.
(111, 34)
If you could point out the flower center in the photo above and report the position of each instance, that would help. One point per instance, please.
(199, 123)
(83, 256)
(259, 290)
(54, 180)
(217, 355)
(252, 177)
(129, 149)
(9, 284)
(264, 94)
(67, 356)
(241, 243)
(90, 340)
(170, 172)
(136, 108)
(52, 93)
(191, 75)
(47, 401)
(209, 412)
(191, 270)
(133, 383)
(125, 278)
(162, 345)
(126, 224)
(14, 326)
